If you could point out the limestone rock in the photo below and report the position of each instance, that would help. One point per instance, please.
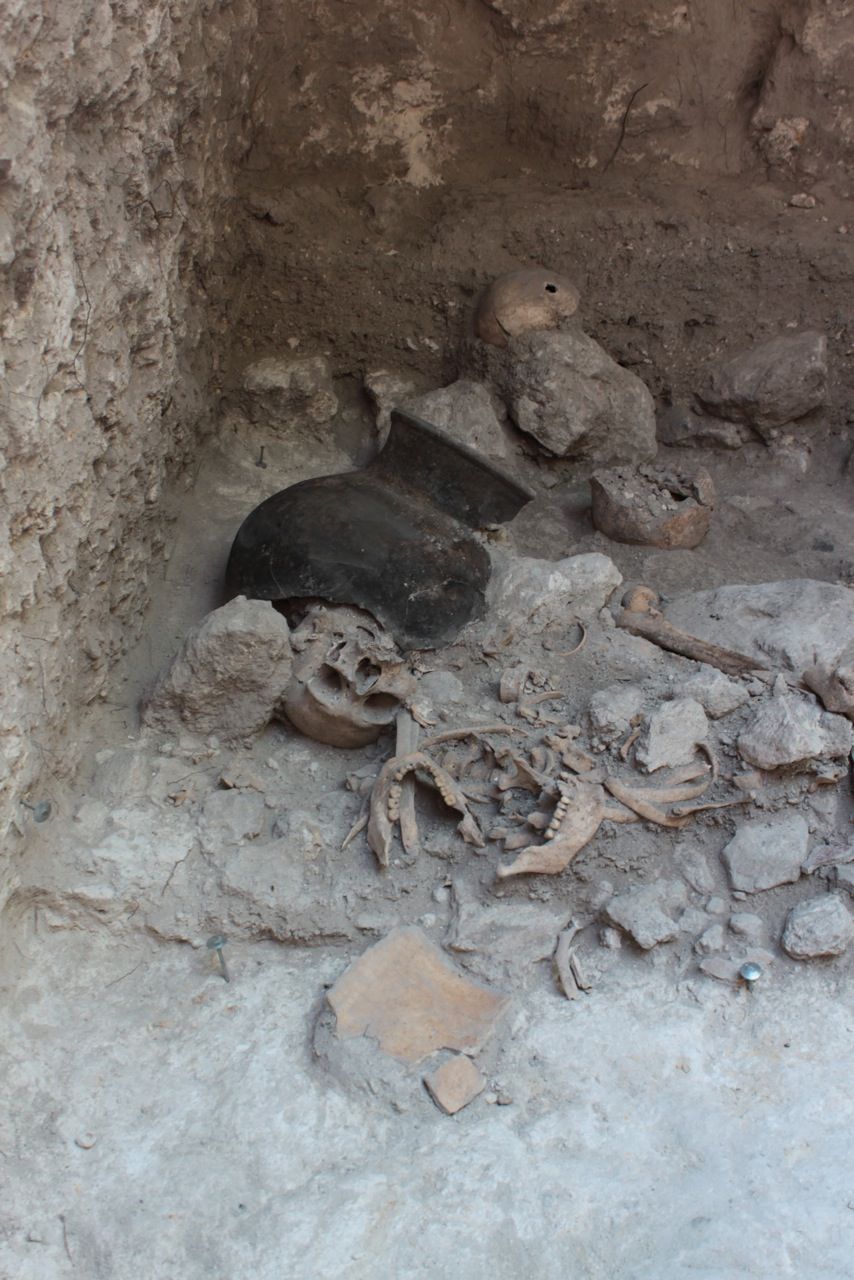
(504, 939)
(834, 683)
(716, 693)
(526, 595)
(465, 412)
(653, 506)
(404, 994)
(820, 926)
(789, 730)
(775, 382)
(440, 688)
(228, 676)
(612, 711)
(566, 391)
(645, 913)
(286, 393)
(387, 390)
(747, 925)
(711, 941)
(522, 302)
(455, 1084)
(671, 734)
(792, 624)
(679, 426)
(766, 852)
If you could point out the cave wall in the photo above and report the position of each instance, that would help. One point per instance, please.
(188, 184)
(121, 126)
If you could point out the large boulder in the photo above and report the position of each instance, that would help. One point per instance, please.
(792, 624)
(565, 391)
(788, 730)
(773, 383)
(229, 675)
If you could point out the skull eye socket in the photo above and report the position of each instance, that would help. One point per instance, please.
(366, 675)
(330, 680)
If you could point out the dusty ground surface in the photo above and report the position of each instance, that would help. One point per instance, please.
(663, 1122)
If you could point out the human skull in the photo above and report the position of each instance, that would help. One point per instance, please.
(348, 681)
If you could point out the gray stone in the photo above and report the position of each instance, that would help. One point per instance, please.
(843, 878)
(525, 595)
(440, 688)
(695, 868)
(775, 382)
(228, 676)
(563, 389)
(716, 693)
(229, 818)
(286, 393)
(818, 927)
(611, 711)
(746, 925)
(693, 920)
(766, 852)
(645, 913)
(833, 682)
(466, 412)
(679, 426)
(503, 939)
(671, 734)
(711, 941)
(791, 730)
(716, 906)
(792, 624)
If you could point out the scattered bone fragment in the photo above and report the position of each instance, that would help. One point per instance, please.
(405, 743)
(672, 734)
(653, 506)
(228, 675)
(386, 795)
(645, 913)
(775, 382)
(766, 852)
(455, 1084)
(642, 617)
(789, 730)
(407, 996)
(349, 680)
(834, 683)
(821, 926)
(576, 820)
(523, 301)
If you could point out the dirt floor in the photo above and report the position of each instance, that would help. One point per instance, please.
(664, 1122)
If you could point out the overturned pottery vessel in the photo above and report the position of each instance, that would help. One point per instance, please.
(394, 538)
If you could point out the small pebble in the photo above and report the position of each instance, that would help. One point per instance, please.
(504, 1099)
(86, 1141)
(802, 201)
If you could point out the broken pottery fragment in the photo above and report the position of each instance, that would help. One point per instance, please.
(671, 734)
(455, 1084)
(766, 852)
(349, 680)
(228, 676)
(653, 506)
(792, 624)
(522, 301)
(286, 393)
(405, 994)
(788, 730)
(645, 913)
(395, 538)
(821, 926)
(773, 383)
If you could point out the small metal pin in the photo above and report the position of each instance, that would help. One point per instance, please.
(260, 460)
(216, 943)
(750, 973)
(41, 811)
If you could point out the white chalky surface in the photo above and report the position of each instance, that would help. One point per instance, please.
(658, 1128)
